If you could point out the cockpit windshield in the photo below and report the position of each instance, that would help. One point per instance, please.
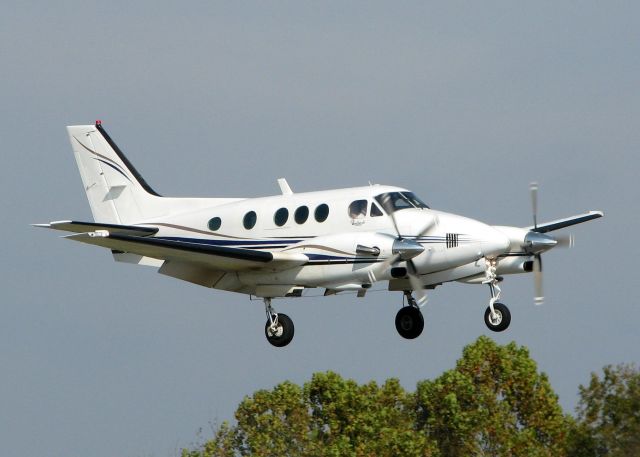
(395, 201)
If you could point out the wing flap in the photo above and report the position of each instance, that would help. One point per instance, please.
(217, 257)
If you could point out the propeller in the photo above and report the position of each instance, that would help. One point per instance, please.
(536, 243)
(533, 188)
(538, 298)
(537, 259)
(406, 250)
(565, 241)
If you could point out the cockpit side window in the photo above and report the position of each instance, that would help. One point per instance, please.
(396, 201)
(358, 209)
(375, 210)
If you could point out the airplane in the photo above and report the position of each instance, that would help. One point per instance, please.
(340, 240)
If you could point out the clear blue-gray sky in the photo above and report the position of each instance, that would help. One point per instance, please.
(465, 103)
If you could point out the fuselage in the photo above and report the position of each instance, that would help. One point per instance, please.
(328, 227)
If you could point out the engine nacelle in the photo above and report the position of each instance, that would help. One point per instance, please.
(514, 265)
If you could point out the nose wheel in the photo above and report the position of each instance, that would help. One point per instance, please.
(499, 319)
(409, 320)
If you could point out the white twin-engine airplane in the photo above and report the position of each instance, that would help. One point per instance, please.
(338, 240)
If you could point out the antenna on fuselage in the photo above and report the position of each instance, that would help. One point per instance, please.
(284, 187)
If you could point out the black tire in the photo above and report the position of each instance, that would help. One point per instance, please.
(409, 322)
(502, 321)
(284, 334)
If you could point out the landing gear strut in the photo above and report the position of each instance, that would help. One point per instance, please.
(409, 320)
(279, 327)
(497, 315)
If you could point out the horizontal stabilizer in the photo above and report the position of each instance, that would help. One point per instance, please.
(86, 227)
(566, 222)
(218, 257)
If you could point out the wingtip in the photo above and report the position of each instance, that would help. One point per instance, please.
(41, 225)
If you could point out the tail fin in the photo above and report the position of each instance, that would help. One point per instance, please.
(117, 193)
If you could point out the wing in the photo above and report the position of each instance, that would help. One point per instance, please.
(566, 222)
(139, 241)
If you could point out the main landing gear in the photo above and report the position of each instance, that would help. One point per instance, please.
(409, 320)
(497, 315)
(279, 327)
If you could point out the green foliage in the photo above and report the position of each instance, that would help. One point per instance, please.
(368, 420)
(609, 415)
(329, 416)
(494, 402)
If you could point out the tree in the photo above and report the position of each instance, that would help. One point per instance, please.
(608, 422)
(366, 420)
(328, 416)
(494, 402)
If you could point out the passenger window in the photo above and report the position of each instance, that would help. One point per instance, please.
(301, 215)
(249, 220)
(281, 217)
(375, 211)
(322, 212)
(214, 224)
(358, 209)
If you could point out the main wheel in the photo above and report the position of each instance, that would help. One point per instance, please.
(282, 334)
(409, 322)
(500, 321)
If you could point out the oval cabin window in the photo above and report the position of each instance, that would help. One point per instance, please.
(250, 220)
(322, 212)
(301, 215)
(281, 217)
(214, 224)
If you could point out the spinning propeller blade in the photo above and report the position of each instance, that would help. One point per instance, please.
(537, 280)
(537, 259)
(388, 207)
(412, 273)
(533, 187)
(416, 284)
(565, 241)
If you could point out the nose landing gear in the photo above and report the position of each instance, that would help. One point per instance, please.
(409, 320)
(497, 315)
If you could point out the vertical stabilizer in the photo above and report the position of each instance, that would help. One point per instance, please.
(117, 193)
